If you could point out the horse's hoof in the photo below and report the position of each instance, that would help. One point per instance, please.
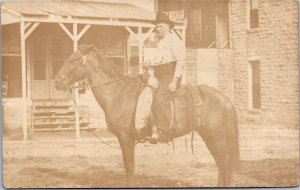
(160, 139)
(143, 140)
(153, 141)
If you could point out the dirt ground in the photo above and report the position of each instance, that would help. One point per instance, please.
(56, 160)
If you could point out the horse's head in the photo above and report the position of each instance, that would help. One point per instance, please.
(73, 69)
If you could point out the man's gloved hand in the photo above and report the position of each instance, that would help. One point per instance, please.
(173, 85)
(144, 77)
(153, 81)
(146, 64)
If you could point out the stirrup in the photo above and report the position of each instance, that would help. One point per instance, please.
(143, 140)
(158, 138)
(154, 137)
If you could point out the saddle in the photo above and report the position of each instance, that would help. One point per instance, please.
(188, 108)
(187, 113)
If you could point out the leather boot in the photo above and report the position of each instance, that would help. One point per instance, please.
(161, 138)
(141, 134)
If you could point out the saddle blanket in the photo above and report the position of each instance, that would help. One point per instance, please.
(187, 107)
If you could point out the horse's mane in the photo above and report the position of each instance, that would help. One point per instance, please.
(104, 64)
(108, 67)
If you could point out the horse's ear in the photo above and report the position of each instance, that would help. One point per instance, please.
(87, 49)
(90, 47)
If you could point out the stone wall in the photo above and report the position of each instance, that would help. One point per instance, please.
(225, 79)
(12, 121)
(191, 66)
(275, 45)
(203, 64)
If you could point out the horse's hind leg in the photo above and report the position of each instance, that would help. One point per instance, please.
(217, 148)
(222, 175)
(127, 146)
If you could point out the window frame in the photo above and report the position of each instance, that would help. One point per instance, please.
(16, 64)
(251, 62)
(194, 12)
(250, 11)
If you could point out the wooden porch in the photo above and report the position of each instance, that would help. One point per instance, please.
(37, 90)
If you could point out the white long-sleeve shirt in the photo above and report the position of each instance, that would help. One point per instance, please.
(170, 49)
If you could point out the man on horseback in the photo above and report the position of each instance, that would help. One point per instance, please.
(168, 65)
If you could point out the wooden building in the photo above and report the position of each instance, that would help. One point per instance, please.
(39, 35)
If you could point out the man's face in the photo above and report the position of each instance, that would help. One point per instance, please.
(162, 29)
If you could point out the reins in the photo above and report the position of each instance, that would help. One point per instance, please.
(69, 87)
(105, 83)
(115, 147)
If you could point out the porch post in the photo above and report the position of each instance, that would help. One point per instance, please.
(183, 35)
(231, 70)
(24, 81)
(140, 49)
(28, 29)
(77, 122)
(75, 37)
(141, 39)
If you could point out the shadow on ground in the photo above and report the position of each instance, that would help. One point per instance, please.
(93, 177)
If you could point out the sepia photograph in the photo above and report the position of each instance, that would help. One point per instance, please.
(149, 93)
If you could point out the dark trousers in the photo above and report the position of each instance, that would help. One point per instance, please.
(163, 96)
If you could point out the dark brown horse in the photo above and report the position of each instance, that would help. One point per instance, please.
(117, 96)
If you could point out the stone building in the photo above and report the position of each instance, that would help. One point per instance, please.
(265, 56)
(208, 46)
(255, 44)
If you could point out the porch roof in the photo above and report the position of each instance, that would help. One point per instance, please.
(69, 11)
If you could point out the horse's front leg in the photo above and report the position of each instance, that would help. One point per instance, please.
(127, 146)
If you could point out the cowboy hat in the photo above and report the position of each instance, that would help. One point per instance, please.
(163, 18)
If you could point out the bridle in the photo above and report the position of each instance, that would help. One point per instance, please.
(68, 86)
(66, 80)
(83, 64)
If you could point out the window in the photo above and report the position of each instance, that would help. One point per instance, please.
(39, 69)
(11, 43)
(12, 76)
(253, 13)
(39, 61)
(222, 35)
(195, 25)
(207, 24)
(60, 52)
(254, 85)
(133, 58)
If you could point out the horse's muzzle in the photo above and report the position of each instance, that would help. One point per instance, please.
(60, 85)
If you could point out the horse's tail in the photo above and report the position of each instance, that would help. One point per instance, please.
(226, 155)
(236, 144)
(233, 161)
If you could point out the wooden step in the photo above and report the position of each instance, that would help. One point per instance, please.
(60, 129)
(53, 112)
(60, 123)
(57, 115)
(52, 103)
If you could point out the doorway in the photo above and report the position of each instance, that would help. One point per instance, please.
(222, 34)
(47, 56)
